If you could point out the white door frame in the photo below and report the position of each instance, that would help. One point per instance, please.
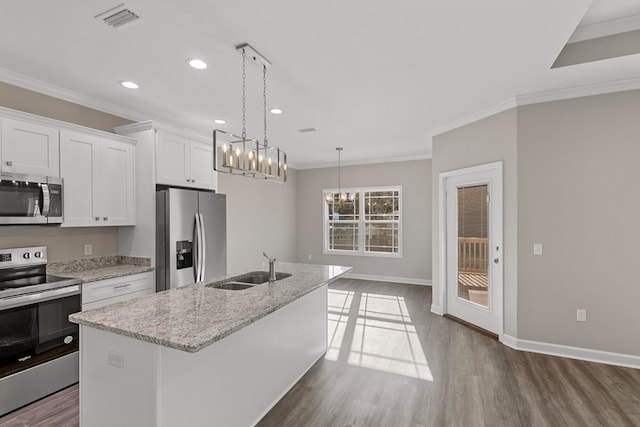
(497, 211)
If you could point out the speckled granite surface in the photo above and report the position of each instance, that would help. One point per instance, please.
(195, 316)
(100, 268)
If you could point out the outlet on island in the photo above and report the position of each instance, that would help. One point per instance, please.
(88, 249)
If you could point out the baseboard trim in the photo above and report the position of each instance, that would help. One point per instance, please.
(391, 279)
(437, 309)
(579, 353)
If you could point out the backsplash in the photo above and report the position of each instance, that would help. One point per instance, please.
(62, 244)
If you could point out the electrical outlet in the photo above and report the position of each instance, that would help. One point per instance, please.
(115, 358)
(88, 249)
(581, 315)
(537, 249)
(310, 257)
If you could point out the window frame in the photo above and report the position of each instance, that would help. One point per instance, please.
(361, 222)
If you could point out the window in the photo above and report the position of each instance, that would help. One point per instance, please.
(363, 221)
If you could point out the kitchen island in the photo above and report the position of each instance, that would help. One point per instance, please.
(199, 355)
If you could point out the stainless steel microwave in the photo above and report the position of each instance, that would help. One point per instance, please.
(30, 199)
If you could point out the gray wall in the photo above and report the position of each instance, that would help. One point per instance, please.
(485, 141)
(261, 216)
(63, 243)
(415, 178)
(571, 181)
(579, 180)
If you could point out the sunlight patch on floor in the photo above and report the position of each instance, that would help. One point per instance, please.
(381, 334)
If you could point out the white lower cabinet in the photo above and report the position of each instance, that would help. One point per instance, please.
(105, 292)
(99, 180)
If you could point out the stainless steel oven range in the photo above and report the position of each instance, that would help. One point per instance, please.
(38, 344)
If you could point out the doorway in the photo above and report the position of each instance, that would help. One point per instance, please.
(471, 245)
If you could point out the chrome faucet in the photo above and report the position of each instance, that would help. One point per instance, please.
(272, 267)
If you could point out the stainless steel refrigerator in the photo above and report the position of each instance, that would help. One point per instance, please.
(191, 237)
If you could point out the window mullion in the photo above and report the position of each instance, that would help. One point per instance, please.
(361, 224)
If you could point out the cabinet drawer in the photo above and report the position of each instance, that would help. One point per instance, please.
(103, 302)
(117, 287)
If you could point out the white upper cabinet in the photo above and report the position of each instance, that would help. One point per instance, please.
(29, 148)
(117, 182)
(99, 180)
(184, 162)
(201, 156)
(172, 159)
(80, 168)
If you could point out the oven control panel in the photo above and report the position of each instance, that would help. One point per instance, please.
(23, 256)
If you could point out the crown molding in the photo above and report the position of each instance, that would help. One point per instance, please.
(605, 28)
(545, 96)
(45, 88)
(482, 114)
(333, 164)
(10, 113)
(579, 91)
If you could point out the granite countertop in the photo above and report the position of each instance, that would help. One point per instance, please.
(193, 317)
(100, 268)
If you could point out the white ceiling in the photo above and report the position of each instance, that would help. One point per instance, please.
(372, 76)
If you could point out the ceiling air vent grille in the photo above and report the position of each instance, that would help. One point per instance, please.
(118, 16)
(307, 130)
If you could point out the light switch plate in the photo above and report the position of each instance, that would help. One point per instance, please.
(581, 315)
(537, 249)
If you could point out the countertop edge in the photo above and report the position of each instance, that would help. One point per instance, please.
(77, 318)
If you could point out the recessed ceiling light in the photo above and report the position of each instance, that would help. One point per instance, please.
(219, 121)
(196, 63)
(129, 84)
(276, 111)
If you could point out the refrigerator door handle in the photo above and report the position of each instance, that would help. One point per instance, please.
(203, 247)
(196, 247)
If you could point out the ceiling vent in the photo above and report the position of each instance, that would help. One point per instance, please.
(118, 16)
(307, 130)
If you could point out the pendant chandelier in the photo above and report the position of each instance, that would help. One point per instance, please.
(342, 196)
(239, 155)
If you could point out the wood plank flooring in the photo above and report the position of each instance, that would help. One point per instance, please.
(393, 363)
(59, 409)
(476, 380)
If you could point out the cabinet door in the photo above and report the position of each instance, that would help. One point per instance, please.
(117, 183)
(201, 160)
(29, 148)
(172, 160)
(80, 168)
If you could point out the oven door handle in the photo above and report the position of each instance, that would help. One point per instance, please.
(36, 297)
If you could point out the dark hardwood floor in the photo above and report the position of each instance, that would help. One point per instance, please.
(393, 363)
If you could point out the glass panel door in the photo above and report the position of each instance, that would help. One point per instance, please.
(473, 261)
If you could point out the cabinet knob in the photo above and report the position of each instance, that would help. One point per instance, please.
(9, 163)
(97, 218)
(105, 218)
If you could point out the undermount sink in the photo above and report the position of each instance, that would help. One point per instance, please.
(231, 286)
(259, 277)
(246, 281)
